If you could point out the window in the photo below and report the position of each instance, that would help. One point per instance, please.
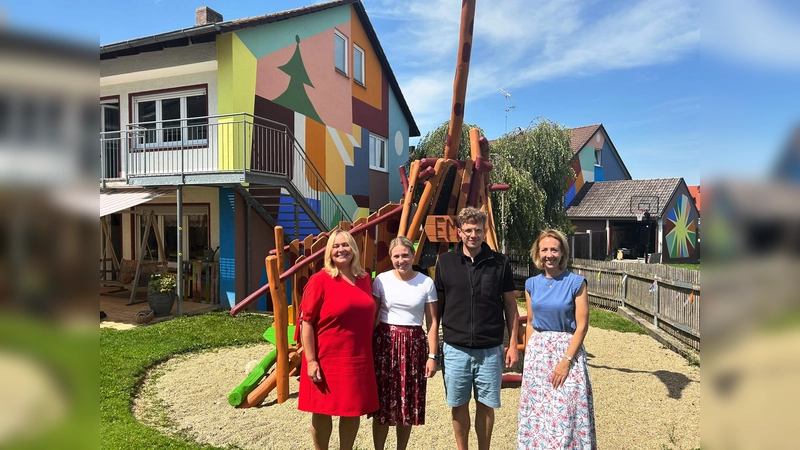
(340, 52)
(598, 157)
(358, 65)
(172, 118)
(377, 152)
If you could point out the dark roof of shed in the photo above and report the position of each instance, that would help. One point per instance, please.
(612, 199)
(206, 33)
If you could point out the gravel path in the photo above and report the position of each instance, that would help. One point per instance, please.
(646, 397)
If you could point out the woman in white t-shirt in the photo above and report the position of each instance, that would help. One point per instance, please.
(404, 358)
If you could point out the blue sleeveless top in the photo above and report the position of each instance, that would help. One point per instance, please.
(553, 301)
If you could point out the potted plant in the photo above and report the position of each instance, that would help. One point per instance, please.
(161, 293)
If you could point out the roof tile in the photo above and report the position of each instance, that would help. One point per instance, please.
(612, 199)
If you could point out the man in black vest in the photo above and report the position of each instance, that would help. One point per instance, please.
(476, 298)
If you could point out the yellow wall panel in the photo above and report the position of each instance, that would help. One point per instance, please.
(236, 76)
(334, 170)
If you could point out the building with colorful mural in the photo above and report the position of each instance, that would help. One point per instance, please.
(291, 118)
(640, 216)
(596, 159)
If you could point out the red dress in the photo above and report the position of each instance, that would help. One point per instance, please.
(342, 315)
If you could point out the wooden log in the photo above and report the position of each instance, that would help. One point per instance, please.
(454, 192)
(319, 243)
(409, 198)
(369, 245)
(359, 237)
(460, 82)
(466, 182)
(278, 291)
(279, 252)
(491, 231)
(427, 196)
(474, 143)
(293, 256)
(387, 230)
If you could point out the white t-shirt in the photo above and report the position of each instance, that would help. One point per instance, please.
(403, 302)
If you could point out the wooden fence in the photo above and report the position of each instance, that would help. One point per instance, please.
(665, 295)
(668, 296)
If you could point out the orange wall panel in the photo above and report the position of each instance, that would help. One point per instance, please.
(372, 93)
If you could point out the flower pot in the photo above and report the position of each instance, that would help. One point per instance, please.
(161, 302)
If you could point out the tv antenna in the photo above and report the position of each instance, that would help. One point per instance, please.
(507, 108)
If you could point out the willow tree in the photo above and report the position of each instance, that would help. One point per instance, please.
(432, 144)
(535, 163)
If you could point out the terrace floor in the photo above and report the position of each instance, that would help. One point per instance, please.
(122, 316)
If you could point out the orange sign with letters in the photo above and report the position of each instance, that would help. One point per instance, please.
(441, 229)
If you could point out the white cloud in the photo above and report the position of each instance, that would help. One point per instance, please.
(519, 42)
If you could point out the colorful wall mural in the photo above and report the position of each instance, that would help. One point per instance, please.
(583, 164)
(284, 71)
(680, 228)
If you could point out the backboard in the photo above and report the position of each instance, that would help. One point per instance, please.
(644, 203)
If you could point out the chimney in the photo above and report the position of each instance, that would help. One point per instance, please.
(205, 15)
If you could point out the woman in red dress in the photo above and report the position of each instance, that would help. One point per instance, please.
(336, 318)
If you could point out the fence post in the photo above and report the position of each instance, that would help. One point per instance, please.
(590, 243)
(572, 247)
(655, 301)
(624, 287)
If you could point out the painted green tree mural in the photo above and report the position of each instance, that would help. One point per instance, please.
(295, 96)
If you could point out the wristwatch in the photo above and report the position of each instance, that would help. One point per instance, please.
(432, 356)
(569, 358)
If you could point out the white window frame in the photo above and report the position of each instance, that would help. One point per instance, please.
(339, 35)
(159, 122)
(598, 157)
(358, 76)
(374, 139)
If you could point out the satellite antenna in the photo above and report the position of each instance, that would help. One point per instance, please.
(507, 108)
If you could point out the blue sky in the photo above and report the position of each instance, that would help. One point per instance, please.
(683, 91)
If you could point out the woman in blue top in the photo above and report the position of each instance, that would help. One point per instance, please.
(556, 409)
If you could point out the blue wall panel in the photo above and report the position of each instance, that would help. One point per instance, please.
(227, 250)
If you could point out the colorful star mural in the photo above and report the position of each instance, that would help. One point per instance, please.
(681, 229)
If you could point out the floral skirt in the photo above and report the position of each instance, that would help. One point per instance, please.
(400, 354)
(550, 418)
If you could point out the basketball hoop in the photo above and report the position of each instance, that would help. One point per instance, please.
(639, 214)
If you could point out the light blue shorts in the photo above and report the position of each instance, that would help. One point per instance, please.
(467, 370)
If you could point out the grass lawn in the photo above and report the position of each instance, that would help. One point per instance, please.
(607, 320)
(126, 355)
(685, 266)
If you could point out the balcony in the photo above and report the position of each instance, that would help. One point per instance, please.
(217, 150)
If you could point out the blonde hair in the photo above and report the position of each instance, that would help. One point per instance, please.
(355, 263)
(562, 240)
(401, 240)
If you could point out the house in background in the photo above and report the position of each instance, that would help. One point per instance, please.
(695, 193)
(292, 118)
(642, 216)
(596, 159)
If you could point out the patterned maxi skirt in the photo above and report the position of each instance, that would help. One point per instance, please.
(550, 418)
(400, 355)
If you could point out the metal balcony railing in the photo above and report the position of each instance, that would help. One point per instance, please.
(232, 143)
